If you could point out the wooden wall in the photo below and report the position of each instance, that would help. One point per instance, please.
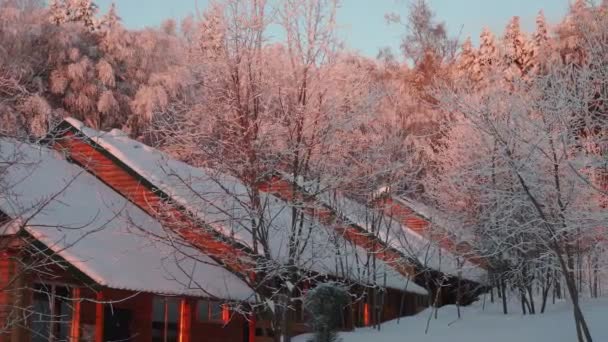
(218, 332)
(140, 305)
(14, 285)
(14, 294)
(7, 273)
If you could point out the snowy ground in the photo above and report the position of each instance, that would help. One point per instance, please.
(479, 325)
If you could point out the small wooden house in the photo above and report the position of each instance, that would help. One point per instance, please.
(105, 238)
(466, 271)
(81, 263)
(210, 204)
(406, 234)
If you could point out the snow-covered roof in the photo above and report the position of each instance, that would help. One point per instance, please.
(99, 232)
(436, 217)
(399, 236)
(222, 202)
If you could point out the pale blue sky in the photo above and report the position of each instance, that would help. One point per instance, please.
(362, 22)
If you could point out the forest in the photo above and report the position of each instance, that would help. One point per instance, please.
(507, 139)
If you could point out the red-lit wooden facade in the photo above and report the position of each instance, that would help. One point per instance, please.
(138, 190)
(232, 256)
(451, 288)
(284, 190)
(410, 219)
(97, 313)
(154, 202)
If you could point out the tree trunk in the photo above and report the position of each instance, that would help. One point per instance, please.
(401, 304)
(545, 293)
(594, 272)
(531, 296)
(504, 295)
(558, 286)
(522, 297)
(570, 278)
(285, 333)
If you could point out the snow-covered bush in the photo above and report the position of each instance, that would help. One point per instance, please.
(325, 303)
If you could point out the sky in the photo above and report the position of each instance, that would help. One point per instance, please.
(361, 22)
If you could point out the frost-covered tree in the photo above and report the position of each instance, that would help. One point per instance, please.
(425, 37)
(429, 54)
(92, 74)
(467, 64)
(211, 33)
(84, 11)
(77, 11)
(110, 20)
(538, 46)
(515, 45)
(326, 303)
(58, 12)
(523, 174)
(579, 5)
(509, 174)
(571, 31)
(541, 35)
(489, 58)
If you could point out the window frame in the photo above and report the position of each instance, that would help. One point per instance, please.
(55, 303)
(166, 324)
(224, 314)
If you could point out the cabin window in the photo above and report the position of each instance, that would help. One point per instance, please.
(212, 311)
(165, 319)
(421, 301)
(52, 313)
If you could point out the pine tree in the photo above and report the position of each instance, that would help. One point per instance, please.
(488, 52)
(211, 33)
(538, 46)
(467, 66)
(84, 11)
(541, 36)
(115, 39)
(579, 6)
(571, 30)
(111, 19)
(57, 12)
(81, 11)
(516, 52)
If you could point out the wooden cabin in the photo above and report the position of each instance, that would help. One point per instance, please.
(156, 183)
(467, 280)
(412, 242)
(68, 309)
(141, 248)
(81, 263)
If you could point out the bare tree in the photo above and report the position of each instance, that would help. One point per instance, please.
(524, 164)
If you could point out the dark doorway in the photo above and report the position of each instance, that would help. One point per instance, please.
(117, 324)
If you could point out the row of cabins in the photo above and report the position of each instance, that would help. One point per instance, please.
(106, 239)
